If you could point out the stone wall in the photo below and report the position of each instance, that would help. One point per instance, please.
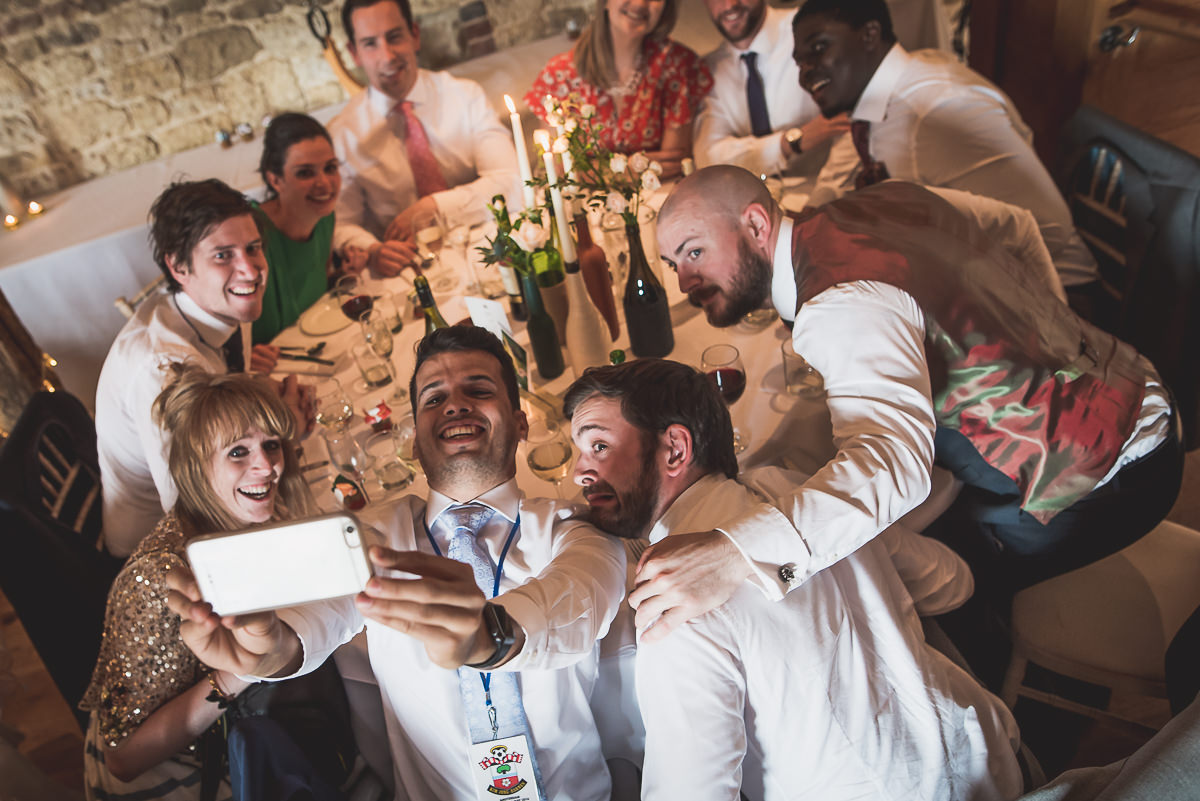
(89, 87)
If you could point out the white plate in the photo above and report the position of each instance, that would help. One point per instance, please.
(323, 317)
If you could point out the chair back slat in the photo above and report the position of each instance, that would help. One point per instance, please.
(1135, 202)
(50, 520)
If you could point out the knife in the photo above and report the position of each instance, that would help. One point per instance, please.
(299, 357)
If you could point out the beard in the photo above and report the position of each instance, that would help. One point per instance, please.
(754, 18)
(635, 509)
(491, 466)
(750, 287)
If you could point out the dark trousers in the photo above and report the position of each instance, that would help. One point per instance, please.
(1008, 549)
(265, 764)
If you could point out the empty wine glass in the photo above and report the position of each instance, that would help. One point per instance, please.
(723, 366)
(549, 454)
(334, 411)
(377, 332)
(348, 456)
(429, 233)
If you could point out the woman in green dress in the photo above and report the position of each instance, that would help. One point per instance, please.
(303, 180)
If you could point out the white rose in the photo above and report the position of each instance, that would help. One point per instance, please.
(650, 181)
(587, 111)
(572, 124)
(617, 165)
(548, 104)
(638, 163)
(529, 235)
(560, 145)
(553, 118)
(655, 168)
(615, 203)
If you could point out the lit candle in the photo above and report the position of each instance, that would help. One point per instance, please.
(560, 213)
(11, 221)
(35, 208)
(522, 153)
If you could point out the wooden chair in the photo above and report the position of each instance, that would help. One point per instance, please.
(1135, 201)
(53, 571)
(1110, 622)
(127, 306)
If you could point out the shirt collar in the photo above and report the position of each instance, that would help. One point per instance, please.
(677, 513)
(383, 104)
(504, 498)
(872, 105)
(212, 330)
(783, 274)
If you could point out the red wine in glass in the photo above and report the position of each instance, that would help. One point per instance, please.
(729, 381)
(355, 306)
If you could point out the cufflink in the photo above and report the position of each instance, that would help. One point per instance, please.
(787, 574)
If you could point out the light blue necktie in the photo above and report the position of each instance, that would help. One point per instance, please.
(506, 715)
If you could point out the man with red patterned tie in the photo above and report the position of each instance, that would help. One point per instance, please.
(926, 118)
(414, 144)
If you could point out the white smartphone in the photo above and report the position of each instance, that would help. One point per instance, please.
(281, 565)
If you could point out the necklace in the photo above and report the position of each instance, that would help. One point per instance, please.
(631, 83)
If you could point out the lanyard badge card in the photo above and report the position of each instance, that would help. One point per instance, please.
(504, 769)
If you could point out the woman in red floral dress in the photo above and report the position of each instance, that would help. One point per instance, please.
(645, 88)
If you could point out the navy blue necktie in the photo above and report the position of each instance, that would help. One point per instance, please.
(235, 359)
(756, 96)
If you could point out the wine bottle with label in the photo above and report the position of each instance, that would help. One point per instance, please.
(433, 317)
(512, 288)
(647, 313)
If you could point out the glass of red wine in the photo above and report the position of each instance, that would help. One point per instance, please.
(723, 366)
(353, 297)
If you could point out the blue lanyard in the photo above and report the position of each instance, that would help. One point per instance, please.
(512, 532)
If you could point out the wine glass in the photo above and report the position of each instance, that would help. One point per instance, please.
(333, 408)
(429, 232)
(347, 456)
(549, 454)
(377, 331)
(352, 296)
(723, 366)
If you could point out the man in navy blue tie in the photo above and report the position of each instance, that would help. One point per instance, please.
(484, 612)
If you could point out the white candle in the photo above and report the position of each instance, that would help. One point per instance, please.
(560, 212)
(522, 153)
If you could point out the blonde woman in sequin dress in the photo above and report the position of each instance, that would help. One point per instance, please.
(150, 699)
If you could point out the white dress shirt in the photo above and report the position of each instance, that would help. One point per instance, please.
(936, 122)
(830, 693)
(132, 448)
(471, 146)
(723, 132)
(881, 411)
(562, 582)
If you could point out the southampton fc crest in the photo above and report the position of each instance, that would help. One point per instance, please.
(503, 768)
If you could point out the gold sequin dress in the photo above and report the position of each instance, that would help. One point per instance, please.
(143, 664)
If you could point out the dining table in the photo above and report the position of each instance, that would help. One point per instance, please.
(777, 426)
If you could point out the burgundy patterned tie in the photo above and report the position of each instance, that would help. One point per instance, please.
(872, 171)
(427, 175)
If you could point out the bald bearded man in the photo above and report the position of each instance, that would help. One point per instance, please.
(932, 324)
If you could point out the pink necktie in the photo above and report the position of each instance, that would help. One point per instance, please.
(427, 175)
(872, 171)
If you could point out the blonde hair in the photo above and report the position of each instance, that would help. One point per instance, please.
(594, 51)
(204, 413)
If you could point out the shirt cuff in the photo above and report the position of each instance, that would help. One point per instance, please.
(527, 614)
(770, 544)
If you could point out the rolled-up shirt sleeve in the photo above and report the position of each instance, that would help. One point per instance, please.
(568, 607)
(867, 340)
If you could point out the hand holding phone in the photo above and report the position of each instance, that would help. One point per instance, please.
(281, 565)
